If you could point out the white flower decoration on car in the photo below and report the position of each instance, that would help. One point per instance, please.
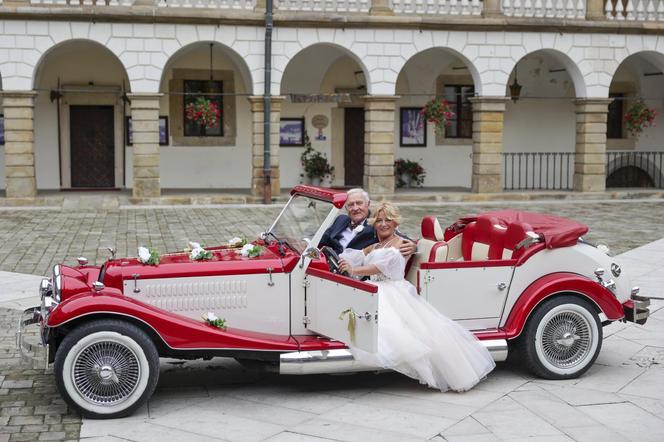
(246, 249)
(359, 228)
(210, 317)
(143, 254)
(235, 242)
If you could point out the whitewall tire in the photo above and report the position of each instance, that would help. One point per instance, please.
(562, 338)
(106, 368)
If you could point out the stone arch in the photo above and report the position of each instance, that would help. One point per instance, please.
(282, 71)
(634, 163)
(236, 59)
(570, 66)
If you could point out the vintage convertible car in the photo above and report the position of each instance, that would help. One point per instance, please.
(520, 281)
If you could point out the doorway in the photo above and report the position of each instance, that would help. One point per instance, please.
(354, 146)
(92, 146)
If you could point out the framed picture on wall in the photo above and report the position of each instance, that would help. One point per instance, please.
(129, 132)
(2, 130)
(291, 132)
(163, 131)
(412, 128)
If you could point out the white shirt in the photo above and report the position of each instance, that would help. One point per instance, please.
(348, 234)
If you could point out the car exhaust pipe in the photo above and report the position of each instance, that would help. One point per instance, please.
(342, 361)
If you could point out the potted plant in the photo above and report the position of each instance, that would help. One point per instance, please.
(638, 117)
(438, 112)
(203, 112)
(408, 173)
(316, 167)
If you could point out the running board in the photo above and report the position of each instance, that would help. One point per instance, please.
(342, 361)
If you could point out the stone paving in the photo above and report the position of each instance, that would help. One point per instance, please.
(33, 240)
(620, 398)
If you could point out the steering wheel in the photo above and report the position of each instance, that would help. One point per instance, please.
(332, 259)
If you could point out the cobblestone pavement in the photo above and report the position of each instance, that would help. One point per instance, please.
(32, 241)
(30, 407)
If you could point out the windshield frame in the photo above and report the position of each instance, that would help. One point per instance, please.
(327, 221)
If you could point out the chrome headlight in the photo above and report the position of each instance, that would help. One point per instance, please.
(57, 283)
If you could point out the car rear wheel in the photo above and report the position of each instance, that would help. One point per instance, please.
(562, 338)
(106, 369)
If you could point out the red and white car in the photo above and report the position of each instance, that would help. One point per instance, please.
(520, 281)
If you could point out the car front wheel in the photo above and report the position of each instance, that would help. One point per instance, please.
(562, 338)
(106, 369)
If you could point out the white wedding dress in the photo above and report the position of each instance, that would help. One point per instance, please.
(413, 337)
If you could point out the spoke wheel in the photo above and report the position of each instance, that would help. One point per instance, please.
(562, 338)
(106, 368)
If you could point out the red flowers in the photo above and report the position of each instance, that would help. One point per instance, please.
(438, 113)
(204, 112)
(638, 117)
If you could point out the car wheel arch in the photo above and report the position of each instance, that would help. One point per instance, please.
(61, 330)
(555, 285)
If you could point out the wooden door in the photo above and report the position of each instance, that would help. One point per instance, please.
(92, 146)
(354, 146)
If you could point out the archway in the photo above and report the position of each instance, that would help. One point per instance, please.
(79, 117)
(324, 85)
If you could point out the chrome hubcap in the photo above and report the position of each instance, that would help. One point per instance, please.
(566, 339)
(106, 373)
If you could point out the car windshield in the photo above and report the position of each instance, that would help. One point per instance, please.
(299, 221)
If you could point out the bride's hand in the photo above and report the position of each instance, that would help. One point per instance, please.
(344, 266)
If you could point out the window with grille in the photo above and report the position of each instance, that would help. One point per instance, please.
(461, 126)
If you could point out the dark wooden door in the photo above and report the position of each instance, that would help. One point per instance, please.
(92, 146)
(354, 146)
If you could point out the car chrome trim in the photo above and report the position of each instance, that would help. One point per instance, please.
(30, 316)
(342, 360)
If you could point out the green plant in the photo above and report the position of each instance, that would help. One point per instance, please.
(212, 319)
(638, 117)
(438, 112)
(411, 170)
(314, 163)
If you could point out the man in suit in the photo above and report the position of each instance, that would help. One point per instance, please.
(352, 231)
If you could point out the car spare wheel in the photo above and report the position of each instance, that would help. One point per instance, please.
(562, 338)
(107, 368)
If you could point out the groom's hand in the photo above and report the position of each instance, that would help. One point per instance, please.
(407, 248)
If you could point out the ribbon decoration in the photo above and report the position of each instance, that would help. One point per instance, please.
(352, 322)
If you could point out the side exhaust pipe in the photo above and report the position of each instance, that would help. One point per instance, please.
(342, 361)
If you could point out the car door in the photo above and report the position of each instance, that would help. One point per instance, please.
(472, 293)
(342, 308)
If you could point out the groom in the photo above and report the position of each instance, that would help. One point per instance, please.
(352, 231)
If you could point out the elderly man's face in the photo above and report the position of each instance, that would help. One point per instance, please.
(357, 207)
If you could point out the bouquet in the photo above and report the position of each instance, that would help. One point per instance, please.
(204, 112)
(438, 112)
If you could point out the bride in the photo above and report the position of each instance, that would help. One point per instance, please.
(413, 337)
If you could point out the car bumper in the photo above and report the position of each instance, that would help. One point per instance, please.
(34, 352)
(636, 309)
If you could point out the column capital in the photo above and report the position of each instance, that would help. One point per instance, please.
(380, 98)
(256, 101)
(18, 94)
(599, 105)
(489, 104)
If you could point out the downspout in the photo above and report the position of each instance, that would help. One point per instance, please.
(267, 170)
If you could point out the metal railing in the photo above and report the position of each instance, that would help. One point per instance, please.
(538, 170)
(634, 169)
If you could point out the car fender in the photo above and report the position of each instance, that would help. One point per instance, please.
(177, 332)
(556, 283)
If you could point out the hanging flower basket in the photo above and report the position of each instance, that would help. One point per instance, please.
(638, 117)
(203, 112)
(438, 112)
(408, 173)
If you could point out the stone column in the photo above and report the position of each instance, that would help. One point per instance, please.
(379, 118)
(488, 115)
(381, 7)
(257, 144)
(590, 159)
(595, 10)
(492, 9)
(20, 176)
(145, 127)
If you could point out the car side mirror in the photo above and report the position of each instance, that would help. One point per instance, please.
(311, 253)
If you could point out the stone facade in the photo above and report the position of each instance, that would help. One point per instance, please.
(21, 180)
(145, 125)
(379, 144)
(258, 143)
(487, 143)
(590, 159)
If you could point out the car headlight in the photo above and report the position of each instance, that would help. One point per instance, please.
(57, 283)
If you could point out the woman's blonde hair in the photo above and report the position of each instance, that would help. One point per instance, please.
(389, 210)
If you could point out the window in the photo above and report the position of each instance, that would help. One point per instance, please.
(614, 122)
(461, 126)
(207, 89)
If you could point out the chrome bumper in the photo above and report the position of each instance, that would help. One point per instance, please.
(34, 354)
(342, 361)
(636, 309)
